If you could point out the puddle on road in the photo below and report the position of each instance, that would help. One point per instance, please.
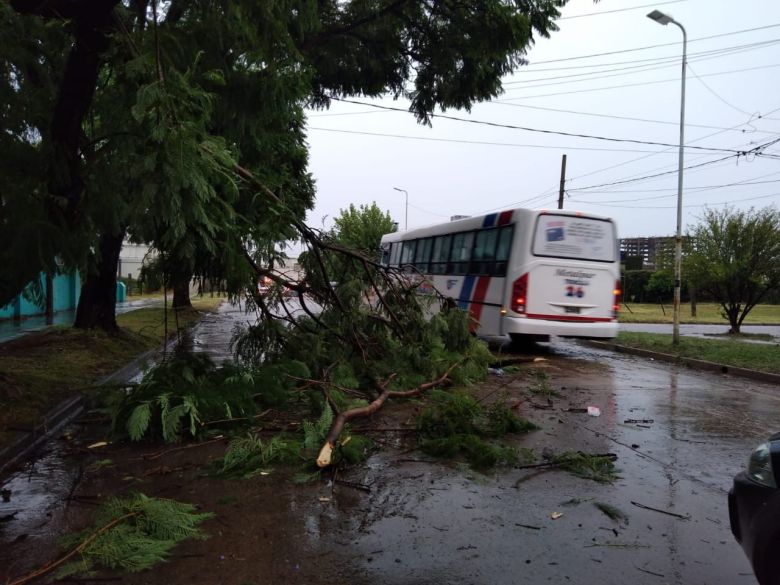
(38, 492)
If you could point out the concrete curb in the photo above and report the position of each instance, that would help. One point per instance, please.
(29, 440)
(690, 362)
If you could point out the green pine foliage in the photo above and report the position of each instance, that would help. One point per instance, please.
(142, 533)
(455, 423)
(176, 397)
(597, 468)
(247, 456)
(314, 432)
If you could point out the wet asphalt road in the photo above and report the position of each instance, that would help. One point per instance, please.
(440, 526)
(433, 523)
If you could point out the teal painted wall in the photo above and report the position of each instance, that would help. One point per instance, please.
(65, 289)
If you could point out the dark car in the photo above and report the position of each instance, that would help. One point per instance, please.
(754, 510)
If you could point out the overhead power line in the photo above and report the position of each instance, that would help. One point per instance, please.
(543, 131)
(528, 68)
(753, 151)
(575, 58)
(480, 142)
(631, 119)
(660, 63)
(619, 10)
(709, 203)
(638, 84)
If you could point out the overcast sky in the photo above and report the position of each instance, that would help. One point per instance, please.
(630, 91)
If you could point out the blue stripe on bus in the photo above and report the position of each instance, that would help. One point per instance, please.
(465, 292)
(490, 220)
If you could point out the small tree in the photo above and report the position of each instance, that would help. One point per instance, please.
(736, 259)
(362, 229)
(660, 285)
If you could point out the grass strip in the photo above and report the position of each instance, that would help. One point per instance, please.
(706, 314)
(734, 352)
(40, 370)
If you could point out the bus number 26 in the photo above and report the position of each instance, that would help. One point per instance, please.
(575, 291)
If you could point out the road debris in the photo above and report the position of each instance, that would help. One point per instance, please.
(556, 515)
(594, 411)
(675, 514)
(648, 572)
(495, 371)
(612, 512)
(646, 421)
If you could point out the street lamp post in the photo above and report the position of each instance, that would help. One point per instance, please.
(665, 19)
(406, 209)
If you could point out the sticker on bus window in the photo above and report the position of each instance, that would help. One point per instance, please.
(582, 238)
(555, 233)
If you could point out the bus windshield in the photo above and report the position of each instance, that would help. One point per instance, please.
(580, 238)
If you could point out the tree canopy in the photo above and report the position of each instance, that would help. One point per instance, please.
(161, 111)
(735, 257)
(362, 228)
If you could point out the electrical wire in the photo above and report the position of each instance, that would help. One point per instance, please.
(713, 92)
(631, 119)
(480, 142)
(529, 67)
(619, 10)
(666, 62)
(638, 84)
(622, 51)
(730, 202)
(754, 151)
(541, 130)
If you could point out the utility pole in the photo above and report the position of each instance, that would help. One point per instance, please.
(563, 180)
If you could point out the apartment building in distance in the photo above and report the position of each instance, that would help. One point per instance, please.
(654, 251)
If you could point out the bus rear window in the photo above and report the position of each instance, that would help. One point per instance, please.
(580, 238)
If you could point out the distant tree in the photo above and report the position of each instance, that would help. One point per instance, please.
(735, 257)
(362, 229)
(635, 285)
(660, 286)
(634, 262)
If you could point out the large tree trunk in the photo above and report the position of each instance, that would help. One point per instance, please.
(97, 305)
(181, 289)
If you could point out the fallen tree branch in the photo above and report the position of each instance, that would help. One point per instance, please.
(555, 463)
(173, 449)
(48, 567)
(326, 453)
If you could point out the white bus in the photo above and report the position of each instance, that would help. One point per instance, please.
(524, 273)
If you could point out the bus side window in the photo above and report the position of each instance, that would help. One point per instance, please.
(384, 254)
(502, 251)
(395, 253)
(407, 254)
(441, 254)
(483, 261)
(423, 254)
(461, 253)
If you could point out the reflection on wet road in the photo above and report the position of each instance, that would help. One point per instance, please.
(436, 525)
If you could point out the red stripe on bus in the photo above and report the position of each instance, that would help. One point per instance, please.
(505, 217)
(569, 318)
(480, 292)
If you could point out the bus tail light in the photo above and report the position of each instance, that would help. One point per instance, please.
(616, 301)
(520, 293)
